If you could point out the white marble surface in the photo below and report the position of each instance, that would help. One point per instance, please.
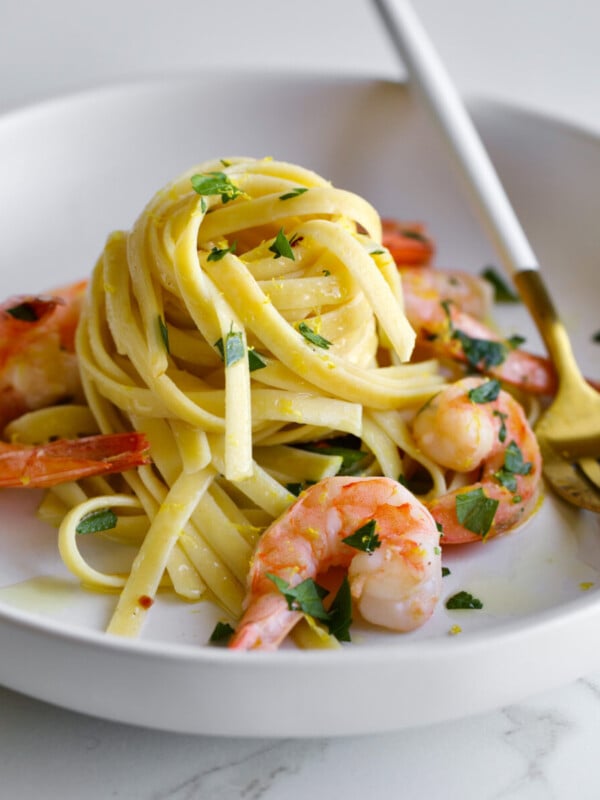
(540, 53)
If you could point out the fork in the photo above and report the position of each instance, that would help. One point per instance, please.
(568, 431)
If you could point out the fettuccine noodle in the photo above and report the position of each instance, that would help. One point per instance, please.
(251, 309)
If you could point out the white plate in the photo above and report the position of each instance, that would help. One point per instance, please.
(74, 169)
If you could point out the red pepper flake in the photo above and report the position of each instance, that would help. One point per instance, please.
(145, 601)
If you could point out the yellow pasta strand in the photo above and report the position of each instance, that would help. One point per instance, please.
(250, 309)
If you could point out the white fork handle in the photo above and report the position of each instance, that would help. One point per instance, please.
(429, 75)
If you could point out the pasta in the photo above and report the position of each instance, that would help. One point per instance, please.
(250, 312)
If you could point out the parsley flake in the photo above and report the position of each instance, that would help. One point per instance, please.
(340, 613)
(314, 338)
(104, 519)
(515, 341)
(463, 600)
(306, 596)
(297, 488)
(282, 247)
(217, 253)
(486, 393)
(445, 572)
(408, 233)
(513, 460)
(255, 360)
(364, 538)
(296, 192)
(502, 292)
(481, 353)
(222, 633)
(502, 430)
(215, 183)
(24, 312)
(513, 465)
(233, 349)
(164, 333)
(596, 337)
(475, 510)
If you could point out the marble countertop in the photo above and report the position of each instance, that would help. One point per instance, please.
(541, 54)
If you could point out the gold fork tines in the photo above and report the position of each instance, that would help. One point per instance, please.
(591, 469)
(569, 479)
(569, 430)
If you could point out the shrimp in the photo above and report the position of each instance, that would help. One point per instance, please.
(445, 307)
(38, 365)
(491, 442)
(42, 466)
(407, 242)
(396, 586)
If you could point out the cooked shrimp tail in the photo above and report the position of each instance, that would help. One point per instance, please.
(266, 623)
(396, 584)
(27, 466)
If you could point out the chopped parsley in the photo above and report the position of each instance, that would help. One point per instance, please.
(222, 633)
(502, 430)
(104, 519)
(233, 349)
(515, 341)
(502, 291)
(485, 393)
(481, 353)
(445, 572)
(297, 488)
(340, 613)
(215, 183)
(411, 234)
(475, 510)
(306, 596)
(217, 253)
(296, 192)
(24, 312)
(255, 360)
(164, 333)
(364, 538)
(513, 465)
(312, 337)
(282, 246)
(463, 600)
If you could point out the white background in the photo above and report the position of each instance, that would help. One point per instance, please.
(538, 53)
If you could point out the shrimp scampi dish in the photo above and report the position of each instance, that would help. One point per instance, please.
(272, 398)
